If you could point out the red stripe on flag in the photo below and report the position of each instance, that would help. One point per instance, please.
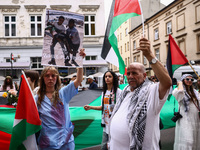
(125, 71)
(177, 56)
(126, 6)
(26, 108)
(7, 106)
(4, 140)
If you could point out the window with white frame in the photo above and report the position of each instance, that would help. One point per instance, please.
(156, 34)
(169, 27)
(138, 58)
(157, 53)
(120, 36)
(90, 57)
(135, 58)
(198, 43)
(36, 25)
(126, 31)
(36, 62)
(89, 25)
(10, 25)
(127, 46)
(144, 60)
(134, 44)
(128, 61)
(8, 59)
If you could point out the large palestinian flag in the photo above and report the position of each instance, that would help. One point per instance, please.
(7, 115)
(121, 11)
(27, 121)
(86, 123)
(175, 57)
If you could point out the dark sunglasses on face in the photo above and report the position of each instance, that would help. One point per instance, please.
(188, 79)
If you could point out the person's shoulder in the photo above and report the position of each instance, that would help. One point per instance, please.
(119, 90)
(152, 86)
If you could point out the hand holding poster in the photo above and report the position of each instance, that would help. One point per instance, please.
(63, 39)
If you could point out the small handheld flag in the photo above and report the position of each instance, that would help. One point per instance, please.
(27, 121)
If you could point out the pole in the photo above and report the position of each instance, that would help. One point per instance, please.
(193, 70)
(11, 61)
(142, 18)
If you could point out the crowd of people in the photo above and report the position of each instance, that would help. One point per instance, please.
(130, 117)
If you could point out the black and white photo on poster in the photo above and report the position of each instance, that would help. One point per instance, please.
(63, 39)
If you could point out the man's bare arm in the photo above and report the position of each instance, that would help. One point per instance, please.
(159, 70)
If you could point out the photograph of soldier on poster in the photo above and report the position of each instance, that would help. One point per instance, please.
(63, 39)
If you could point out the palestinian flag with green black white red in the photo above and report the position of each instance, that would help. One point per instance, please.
(121, 11)
(175, 57)
(7, 115)
(27, 121)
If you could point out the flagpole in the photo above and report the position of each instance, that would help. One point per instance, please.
(142, 17)
(193, 70)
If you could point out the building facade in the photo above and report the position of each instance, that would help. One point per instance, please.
(22, 29)
(149, 8)
(181, 19)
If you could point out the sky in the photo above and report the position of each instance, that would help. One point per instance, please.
(108, 4)
(166, 2)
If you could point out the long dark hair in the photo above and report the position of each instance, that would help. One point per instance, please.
(115, 82)
(5, 84)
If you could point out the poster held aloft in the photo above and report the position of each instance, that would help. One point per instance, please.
(63, 39)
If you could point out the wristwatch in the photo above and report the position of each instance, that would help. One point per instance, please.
(153, 61)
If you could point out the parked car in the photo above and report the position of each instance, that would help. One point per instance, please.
(186, 70)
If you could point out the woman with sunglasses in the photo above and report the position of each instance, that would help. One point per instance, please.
(109, 97)
(187, 132)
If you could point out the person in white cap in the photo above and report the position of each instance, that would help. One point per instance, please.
(90, 80)
(187, 132)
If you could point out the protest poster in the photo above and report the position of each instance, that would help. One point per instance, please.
(62, 39)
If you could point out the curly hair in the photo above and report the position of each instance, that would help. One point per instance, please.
(42, 90)
(115, 82)
(5, 84)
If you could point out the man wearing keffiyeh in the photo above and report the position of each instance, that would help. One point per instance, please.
(135, 120)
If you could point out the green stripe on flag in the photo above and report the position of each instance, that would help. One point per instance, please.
(20, 133)
(117, 21)
(113, 42)
(7, 116)
(174, 67)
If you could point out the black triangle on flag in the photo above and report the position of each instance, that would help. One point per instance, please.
(169, 61)
(106, 44)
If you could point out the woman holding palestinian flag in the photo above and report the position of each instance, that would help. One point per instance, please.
(53, 107)
(187, 132)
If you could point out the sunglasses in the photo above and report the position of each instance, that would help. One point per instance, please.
(188, 79)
